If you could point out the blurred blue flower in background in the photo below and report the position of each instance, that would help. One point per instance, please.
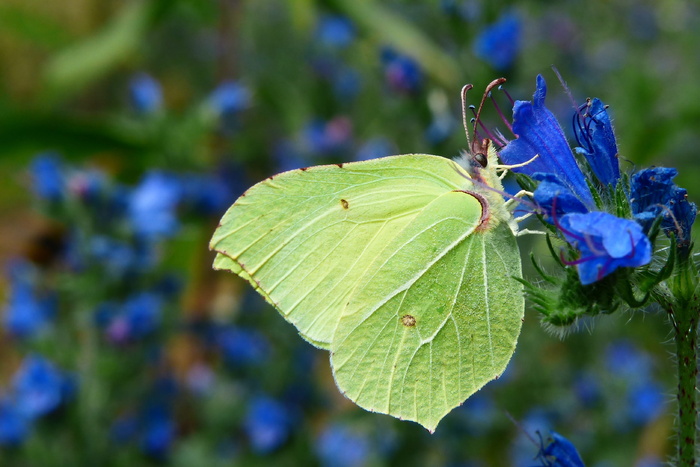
(587, 389)
(626, 360)
(158, 432)
(499, 44)
(87, 185)
(119, 258)
(153, 204)
(327, 137)
(38, 387)
(646, 401)
(48, 178)
(242, 346)
(230, 97)
(138, 317)
(27, 312)
(267, 424)
(402, 73)
(14, 426)
(206, 194)
(334, 31)
(341, 446)
(145, 94)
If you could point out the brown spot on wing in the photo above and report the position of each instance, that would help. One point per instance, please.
(408, 320)
(344, 203)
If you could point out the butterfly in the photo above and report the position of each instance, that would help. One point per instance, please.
(402, 267)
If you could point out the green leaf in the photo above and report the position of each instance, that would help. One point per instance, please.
(392, 265)
(82, 63)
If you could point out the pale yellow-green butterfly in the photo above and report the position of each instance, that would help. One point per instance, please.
(403, 267)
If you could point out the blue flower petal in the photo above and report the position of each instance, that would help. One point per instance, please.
(538, 132)
(594, 134)
(554, 198)
(606, 243)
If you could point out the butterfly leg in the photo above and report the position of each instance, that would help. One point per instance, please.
(516, 197)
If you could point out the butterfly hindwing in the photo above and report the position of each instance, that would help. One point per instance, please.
(437, 319)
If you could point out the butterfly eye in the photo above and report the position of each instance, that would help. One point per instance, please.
(481, 159)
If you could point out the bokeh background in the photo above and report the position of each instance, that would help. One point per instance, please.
(127, 127)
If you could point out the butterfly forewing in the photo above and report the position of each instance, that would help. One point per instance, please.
(305, 238)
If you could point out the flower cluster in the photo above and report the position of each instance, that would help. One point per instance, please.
(38, 388)
(606, 219)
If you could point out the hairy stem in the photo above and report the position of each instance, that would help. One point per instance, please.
(683, 307)
(686, 337)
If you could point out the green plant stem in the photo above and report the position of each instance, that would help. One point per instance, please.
(686, 338)
(683, 308)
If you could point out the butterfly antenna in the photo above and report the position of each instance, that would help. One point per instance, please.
(493, 84)
(465, 89)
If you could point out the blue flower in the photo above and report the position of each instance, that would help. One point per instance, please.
(402, 73)
(624, 359)
(596, 140)
(229, 98)
(27, 313)
(560, 452)
(138, 317)
(339, 446)
(327, 137)
(206, 194)
(145, 94)
(606, 243)
(153, 204)
(335, 31)
(587, 389)
(14, 426)
(243, 347)
(48, 177)
(539, 133)
(38, 387)
(653, 194)
(645, 402)
(158, 434)
(119, 258)
(499, 43)
(267, 424)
